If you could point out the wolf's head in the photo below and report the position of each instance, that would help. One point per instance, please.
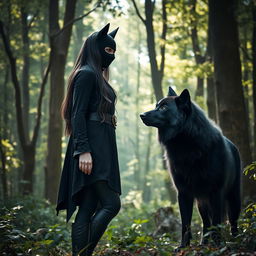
(169, 114)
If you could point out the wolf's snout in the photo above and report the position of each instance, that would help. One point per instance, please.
(142, 115)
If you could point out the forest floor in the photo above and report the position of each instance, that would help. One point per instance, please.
(29, 226)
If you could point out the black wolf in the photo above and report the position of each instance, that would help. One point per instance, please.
(204, 164)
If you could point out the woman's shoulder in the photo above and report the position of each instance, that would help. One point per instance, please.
(87, 70)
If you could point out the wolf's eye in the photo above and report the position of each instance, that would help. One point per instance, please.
(163, 107)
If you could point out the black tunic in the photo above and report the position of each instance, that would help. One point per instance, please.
(96, 137)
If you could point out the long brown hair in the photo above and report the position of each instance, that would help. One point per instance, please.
(88, 54)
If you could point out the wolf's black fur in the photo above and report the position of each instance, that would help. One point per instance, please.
(204, 164)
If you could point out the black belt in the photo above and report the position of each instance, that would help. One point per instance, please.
(110, 119)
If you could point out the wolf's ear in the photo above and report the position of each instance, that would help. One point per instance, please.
(185, 96)
(113, 33)
(183, 101)
(171, 92)
(103, 31)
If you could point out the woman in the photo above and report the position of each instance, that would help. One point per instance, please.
(90, 177)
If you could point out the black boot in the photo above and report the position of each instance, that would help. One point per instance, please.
(80, 235)
(98, 225)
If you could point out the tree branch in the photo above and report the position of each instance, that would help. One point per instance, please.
(33, 18)
(40, 99)
(75, 20)
(153, 5)
(16, 85)
(163, 37)
(245, 53)
(194, 35)
(138, 12)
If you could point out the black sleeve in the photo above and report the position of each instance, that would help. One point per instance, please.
(84, 83)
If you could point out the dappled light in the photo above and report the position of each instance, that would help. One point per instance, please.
(175, 81)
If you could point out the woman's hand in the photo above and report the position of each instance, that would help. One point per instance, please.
(85, 162)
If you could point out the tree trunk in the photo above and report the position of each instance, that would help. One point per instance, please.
(22, 112)
(25, 72)
(3, 172)
(29, 149)
(137, 103)
(254, 78)
(199, 88)
(155, 72)
(59, 45)
(211, 99)
(246, 70)
(211, 87)
(199, 58)
(3, 135)
(146, 192)
(79, 29)
(227, 71)
(29, 166)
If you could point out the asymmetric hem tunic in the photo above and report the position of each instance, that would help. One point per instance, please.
(96, 137)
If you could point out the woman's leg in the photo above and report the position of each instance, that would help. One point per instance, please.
(80, 232)
(110, 206)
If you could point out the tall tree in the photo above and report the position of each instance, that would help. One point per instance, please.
(21, 85)
(59, 44)
(157, 71)
(137, 104)
(199, 56)
(254, 73)
(211, 88)
(3, 135)
(228, 78)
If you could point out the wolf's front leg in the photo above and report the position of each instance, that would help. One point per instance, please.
(186, 208)
(218, 209)
(204, 211)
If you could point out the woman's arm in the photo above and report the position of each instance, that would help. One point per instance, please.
(83, 85)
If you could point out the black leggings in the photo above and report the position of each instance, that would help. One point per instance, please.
(99, 218)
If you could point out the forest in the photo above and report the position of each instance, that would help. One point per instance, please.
(205, 46)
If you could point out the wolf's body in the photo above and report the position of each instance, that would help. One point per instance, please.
(204, 164)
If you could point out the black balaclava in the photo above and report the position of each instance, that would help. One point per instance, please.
(106, 40)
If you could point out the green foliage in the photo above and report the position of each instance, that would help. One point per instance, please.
(243, 244)
(131, 233)
(251, 170)
(135, 238)
(28, 226)
(11, 160)
(246, 238)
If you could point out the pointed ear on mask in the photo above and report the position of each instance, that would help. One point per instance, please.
(171, 92)
(183, 101)
(103, 31)
(113, 33)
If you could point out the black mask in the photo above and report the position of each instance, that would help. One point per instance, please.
(106, 40)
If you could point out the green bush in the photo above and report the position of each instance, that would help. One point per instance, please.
(28, 227)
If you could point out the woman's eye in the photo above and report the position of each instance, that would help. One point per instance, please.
(109, 50)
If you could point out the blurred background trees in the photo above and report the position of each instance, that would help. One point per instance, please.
(207, 46)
